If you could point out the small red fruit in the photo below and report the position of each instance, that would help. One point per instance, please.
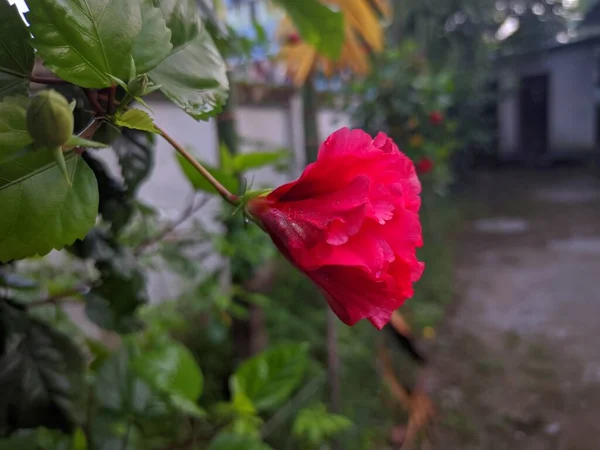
(424, 165)
(436, 118)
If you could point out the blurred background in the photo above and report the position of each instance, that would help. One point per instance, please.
(498, 104)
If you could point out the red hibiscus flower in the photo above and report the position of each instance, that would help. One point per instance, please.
(424, 165)
(436, 118)
(351, 224)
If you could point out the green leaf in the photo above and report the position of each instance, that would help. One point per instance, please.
(182, 20)
(255, 160)
(136, 119)
(130, 413)
(86, 41)
(120, 391)
(76, 141)
(171, 368)
(318, 25)
(13, 128)
(113, 304)
(199, 182)
(231, 441)
(16, 53)
(113, 432)
(153, 44)
(136, 157)
(271, 377)
(226, 158)
(41, 374)
(315, 425)
(41, 211)
(115, 205)
(194, 77)
(55, 440)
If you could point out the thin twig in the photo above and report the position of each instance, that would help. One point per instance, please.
(92, 96)
(185, 215)
(60, 297)
(45, 80)
(222, 190)
(110, 106)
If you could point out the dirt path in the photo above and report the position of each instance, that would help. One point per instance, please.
(518, 364)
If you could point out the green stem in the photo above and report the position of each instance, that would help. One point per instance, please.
(222, 190)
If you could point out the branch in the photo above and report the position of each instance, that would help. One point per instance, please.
(230, 198)
(185, 215)
(44, 80)
(60, 297)
(92, 96)
(112, 94)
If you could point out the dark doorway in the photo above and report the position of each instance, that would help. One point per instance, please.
(533, 98)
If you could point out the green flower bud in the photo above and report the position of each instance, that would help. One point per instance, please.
(138, 86)
(50, 119)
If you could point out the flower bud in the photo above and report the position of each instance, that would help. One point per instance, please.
(138, 86)
(50, 119)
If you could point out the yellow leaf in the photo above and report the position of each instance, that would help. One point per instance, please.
(363, 19)
(384, 7)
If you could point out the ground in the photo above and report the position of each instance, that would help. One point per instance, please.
(517, 364)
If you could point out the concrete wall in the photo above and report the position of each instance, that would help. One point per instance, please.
(571, 99)
(573, 106)
(260, 128)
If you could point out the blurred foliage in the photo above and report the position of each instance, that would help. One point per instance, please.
(359, 31)
(410, 102)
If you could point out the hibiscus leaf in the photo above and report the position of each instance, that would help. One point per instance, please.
(136, 156)
(255, 160)
(120, 391)
(86, 42)
(16, 53)
(271, 377)
(41, 373)
(13, 129)
(182, 19)
(153, 44)
(171, 368)
(194, 77)
(199, 182)
(51, 213)
(136, 119)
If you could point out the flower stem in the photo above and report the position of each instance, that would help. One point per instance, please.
(230, 198)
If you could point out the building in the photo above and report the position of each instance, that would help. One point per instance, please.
(549, 99)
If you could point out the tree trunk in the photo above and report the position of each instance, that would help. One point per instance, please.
(311, 130)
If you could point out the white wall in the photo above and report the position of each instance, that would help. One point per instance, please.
(572, 111)
(269, 127)
(571, 99)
